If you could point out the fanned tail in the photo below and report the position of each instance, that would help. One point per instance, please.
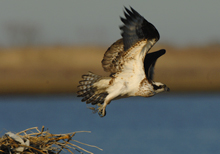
(88, 91)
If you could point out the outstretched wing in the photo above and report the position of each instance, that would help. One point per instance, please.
(138, 36)
(136, 29)
(149, 63)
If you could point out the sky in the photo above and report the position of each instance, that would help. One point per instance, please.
(49, 22)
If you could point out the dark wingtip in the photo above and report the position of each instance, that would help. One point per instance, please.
(128, 11)
(123, 20)
(134, 11)
(163, 51)
(136, 28)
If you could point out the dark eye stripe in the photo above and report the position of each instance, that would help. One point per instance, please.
(157, 87)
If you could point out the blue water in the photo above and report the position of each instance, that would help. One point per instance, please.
(168, 123)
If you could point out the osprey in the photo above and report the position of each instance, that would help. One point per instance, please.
(130, 65)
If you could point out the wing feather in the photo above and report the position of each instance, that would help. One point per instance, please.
(138, 36)
(136, 29)
(149, 63)
(113, 57)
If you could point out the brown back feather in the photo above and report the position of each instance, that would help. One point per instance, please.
(112, 60)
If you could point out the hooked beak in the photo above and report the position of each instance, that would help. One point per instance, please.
(167, 89)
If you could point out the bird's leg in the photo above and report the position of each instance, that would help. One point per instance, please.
(101, 109)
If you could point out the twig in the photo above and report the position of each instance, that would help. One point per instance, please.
(78, 147)
(70, 137)
(88, 145)
(24, 131)
(72, 133)
(32, 148)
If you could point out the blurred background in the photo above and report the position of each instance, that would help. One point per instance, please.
(45, 47)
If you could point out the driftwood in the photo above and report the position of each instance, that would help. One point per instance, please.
(35, 141)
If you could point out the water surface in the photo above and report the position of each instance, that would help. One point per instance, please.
(166, 123)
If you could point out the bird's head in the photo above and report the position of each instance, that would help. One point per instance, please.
(159, 87)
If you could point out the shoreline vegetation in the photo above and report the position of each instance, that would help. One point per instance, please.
(57, 69)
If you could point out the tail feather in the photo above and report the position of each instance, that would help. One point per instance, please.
(88, 92)
(100, 99)
(85, 83)
(91, 99)
(87, 96)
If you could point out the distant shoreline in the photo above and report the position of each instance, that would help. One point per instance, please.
(58, 69)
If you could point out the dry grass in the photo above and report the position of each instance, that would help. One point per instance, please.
(58, 69)
(34, 141)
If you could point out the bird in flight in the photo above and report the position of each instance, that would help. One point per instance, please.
(130, 65)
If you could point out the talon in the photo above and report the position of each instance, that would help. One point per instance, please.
(101, 110)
